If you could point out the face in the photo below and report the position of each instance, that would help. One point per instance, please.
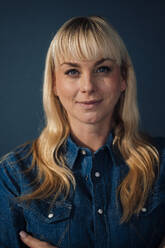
(89, 90)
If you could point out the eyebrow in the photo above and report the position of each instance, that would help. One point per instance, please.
(97, 62)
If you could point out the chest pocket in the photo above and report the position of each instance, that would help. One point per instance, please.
(148, 228)
(48, 224)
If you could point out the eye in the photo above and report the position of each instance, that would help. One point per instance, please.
(104, 69)
(72, 72)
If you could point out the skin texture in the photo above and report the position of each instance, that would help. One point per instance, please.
(88, 82)
(77, 85)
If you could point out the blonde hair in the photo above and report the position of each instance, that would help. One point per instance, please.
(89, 38)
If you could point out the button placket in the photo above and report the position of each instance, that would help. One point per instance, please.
(99, 190)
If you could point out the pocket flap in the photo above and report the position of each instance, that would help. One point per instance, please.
(152, 203)
(59, 211)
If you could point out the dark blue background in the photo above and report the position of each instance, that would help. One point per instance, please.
(26, 29)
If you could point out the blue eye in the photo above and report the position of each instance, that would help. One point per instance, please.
(104, 69)
(71, 72)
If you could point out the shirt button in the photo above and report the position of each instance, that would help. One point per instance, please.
(83, 152)
(50, 216)
(100, 211)
(97, 174)
(144, 210)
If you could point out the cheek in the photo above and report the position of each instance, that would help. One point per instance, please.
(113, 90)
(66, 96)
(116, 83)
(62, 90)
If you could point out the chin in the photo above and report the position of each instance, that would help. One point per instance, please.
(90, 121)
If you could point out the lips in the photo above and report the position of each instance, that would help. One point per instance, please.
(89, 102)
(89, 105)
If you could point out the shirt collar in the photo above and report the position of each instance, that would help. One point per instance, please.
(72, 149)
(71, 152)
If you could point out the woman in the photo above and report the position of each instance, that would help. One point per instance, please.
(91, 179)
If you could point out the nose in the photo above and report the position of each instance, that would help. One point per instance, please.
(87, 83)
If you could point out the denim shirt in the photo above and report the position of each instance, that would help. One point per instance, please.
(90, 216)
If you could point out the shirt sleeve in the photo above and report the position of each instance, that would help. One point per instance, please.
(11, 216)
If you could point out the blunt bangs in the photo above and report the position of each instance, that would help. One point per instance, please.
(85, 39)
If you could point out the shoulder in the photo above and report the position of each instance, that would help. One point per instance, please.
(12, 168)
(21, 154)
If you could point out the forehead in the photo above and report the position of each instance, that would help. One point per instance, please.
(92, 62)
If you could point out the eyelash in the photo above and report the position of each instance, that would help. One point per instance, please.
(108, 69)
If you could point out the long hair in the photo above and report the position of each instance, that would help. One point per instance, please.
(89, 38)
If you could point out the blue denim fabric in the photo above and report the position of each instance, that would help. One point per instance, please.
(90, 216)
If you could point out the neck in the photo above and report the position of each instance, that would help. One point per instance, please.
(90, 136)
